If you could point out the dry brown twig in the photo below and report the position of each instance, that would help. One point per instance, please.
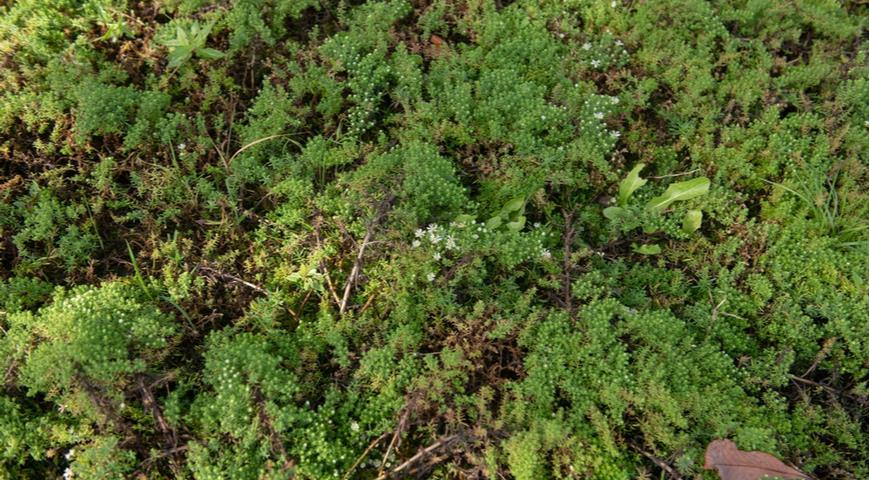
(403, 420)
(357, 263)
(444, 442)
(659, 462)
(234, 278)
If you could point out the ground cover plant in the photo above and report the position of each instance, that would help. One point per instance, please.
(274, 239)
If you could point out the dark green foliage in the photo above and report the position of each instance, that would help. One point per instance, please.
(332, 240)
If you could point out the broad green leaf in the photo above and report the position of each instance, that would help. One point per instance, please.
(647, 249)
(206, 29)
(517, 225)
(692, 221)
(493, 222)
(178, 56)
(631, 183)
(514, 205)
(209, 53)
(181, 36)
(680, 191)
(613, 212)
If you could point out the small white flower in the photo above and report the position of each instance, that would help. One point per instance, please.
(430, 277)
(587, 46)
(561, 35)
(613, 4)
(67, 473)
(354, 426)
(595, 63)
(415, 243)
(437, 256)
(536, 225)
(70, 454)
(545, 253)
(599, 115)
(182, 146)
(451, 242)
(419, 233)
(618, 42)
(615, 134)
(614, 100)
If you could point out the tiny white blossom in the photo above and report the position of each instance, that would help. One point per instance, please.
(618, 42)
(545, 253)
(354, 426)
(419, 233)
(70, 454)
(613, 4)
(587, 46)
(451, 242)
(614, 100)
(595, 63)
(437, 256)
(415, 243)
(433, 233)
(599, 115)
(67, 473)
(430, 277)
(615, 134)
(182, 146)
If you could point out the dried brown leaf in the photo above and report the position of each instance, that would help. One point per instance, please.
(735, 464)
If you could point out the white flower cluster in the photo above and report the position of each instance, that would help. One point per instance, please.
(435, 234)
(518, 246)
(596, 109)
(604, 54)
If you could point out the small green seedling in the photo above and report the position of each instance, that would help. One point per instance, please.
(186, 44)
(511, 215)
(631, 183)
(646, 249)
(678, 191)
(675, 192)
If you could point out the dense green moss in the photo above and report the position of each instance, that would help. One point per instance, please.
(533, 239)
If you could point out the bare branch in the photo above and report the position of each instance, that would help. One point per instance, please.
(659, 462)
(445, 442)
(363, 456)
(354, 272)
(234, 279)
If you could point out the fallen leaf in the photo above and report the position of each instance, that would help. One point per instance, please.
(735, 464)
(437, 45)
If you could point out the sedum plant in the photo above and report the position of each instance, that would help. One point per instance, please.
(441, 239)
